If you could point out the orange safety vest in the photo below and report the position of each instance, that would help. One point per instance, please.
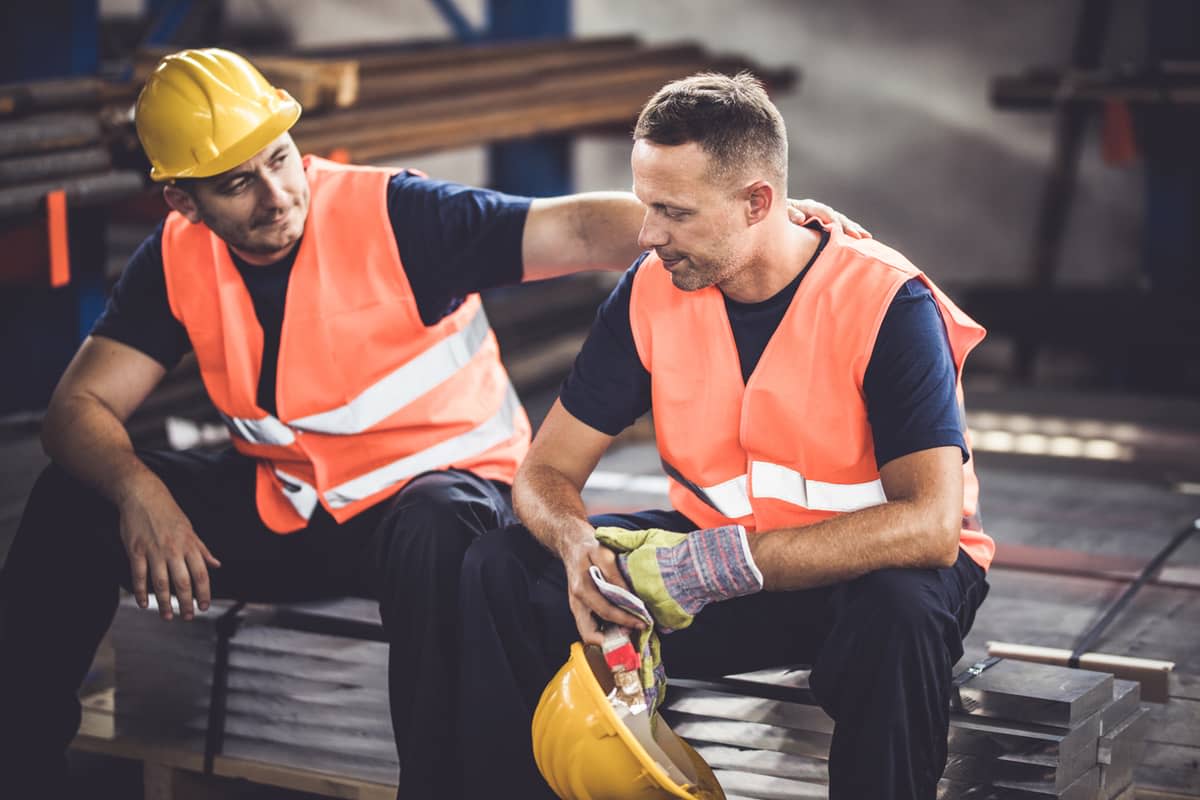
(367, 395)
(791, 446)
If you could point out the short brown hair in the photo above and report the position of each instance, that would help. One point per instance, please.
(731, 118)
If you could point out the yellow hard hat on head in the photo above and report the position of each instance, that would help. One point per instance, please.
(586, 752)
(203, 112)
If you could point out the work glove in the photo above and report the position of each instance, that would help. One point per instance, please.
(677, 574)
(651, 673)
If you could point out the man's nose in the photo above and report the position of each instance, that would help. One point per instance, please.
(652, 234)
(273, 192)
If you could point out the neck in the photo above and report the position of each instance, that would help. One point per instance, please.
(783, 251)
(264, 259)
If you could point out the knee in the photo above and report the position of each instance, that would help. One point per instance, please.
(428, 523)
(896, 610)
(498, 561)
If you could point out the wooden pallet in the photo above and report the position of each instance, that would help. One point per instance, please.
(176, 771)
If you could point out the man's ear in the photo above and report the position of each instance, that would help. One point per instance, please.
(182, 202)
(760, 199)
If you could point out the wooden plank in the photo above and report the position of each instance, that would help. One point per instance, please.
(402, 56)
(478, 78)
(1151, 673)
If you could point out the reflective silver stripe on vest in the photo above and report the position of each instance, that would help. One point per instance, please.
(496, 430)
(268, 430)
(728, 497)
(404, 384)
(783, 483)
(777, 482)
(301, 495)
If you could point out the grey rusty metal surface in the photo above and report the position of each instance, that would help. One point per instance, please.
(749, 734)
(700, 702)
(1038, 693)
(39, 167)
(1047, 776)
(46, 132)
(82, 190)
(1083, 788)
(1127, 696)
(1119, 752)
(988, 737)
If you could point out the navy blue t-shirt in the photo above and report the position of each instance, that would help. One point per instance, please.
(909, 382)
(454, 240)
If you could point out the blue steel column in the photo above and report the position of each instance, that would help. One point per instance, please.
(539, 166)
(1169, 135)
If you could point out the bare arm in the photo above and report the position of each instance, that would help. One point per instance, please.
(918, 526)
(546, 496)
(597, 230)
(84, 432)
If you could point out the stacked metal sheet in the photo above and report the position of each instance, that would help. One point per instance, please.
(294, 698)
(1018, 730)
(307, 688)
(1037, 731)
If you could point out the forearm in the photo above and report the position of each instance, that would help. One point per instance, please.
(591, 231)
(89, 441)
(899, 533)
(550, 506)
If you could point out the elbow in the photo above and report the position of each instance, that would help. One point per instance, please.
(945, 541)
(938, 531)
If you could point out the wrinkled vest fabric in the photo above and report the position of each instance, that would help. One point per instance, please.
(792, 446)
(368, 397)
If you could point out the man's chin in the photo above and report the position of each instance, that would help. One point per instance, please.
(688, 282)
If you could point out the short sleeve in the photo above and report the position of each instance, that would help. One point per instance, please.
(138, 313)
(608, 388)
(454, 240)
(911, 379)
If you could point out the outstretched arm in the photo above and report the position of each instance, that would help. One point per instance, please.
(599, 231)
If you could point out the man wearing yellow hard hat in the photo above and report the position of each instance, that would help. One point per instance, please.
(335, 317)
(805, 387)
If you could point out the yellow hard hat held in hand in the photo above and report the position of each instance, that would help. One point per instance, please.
(203, 112)
(586, 751)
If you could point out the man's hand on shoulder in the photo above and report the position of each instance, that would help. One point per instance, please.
(800, 211)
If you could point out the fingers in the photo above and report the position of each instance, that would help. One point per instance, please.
(209, 558)
(587, 624)
(201, 589)
(586, 594)
(182, 581)
(160, 583)
(853, 228)
(606, 560)
(137, 571)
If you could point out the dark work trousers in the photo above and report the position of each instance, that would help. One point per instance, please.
(881, 648)
(59, 592)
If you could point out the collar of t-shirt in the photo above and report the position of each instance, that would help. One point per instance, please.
(753, 324)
